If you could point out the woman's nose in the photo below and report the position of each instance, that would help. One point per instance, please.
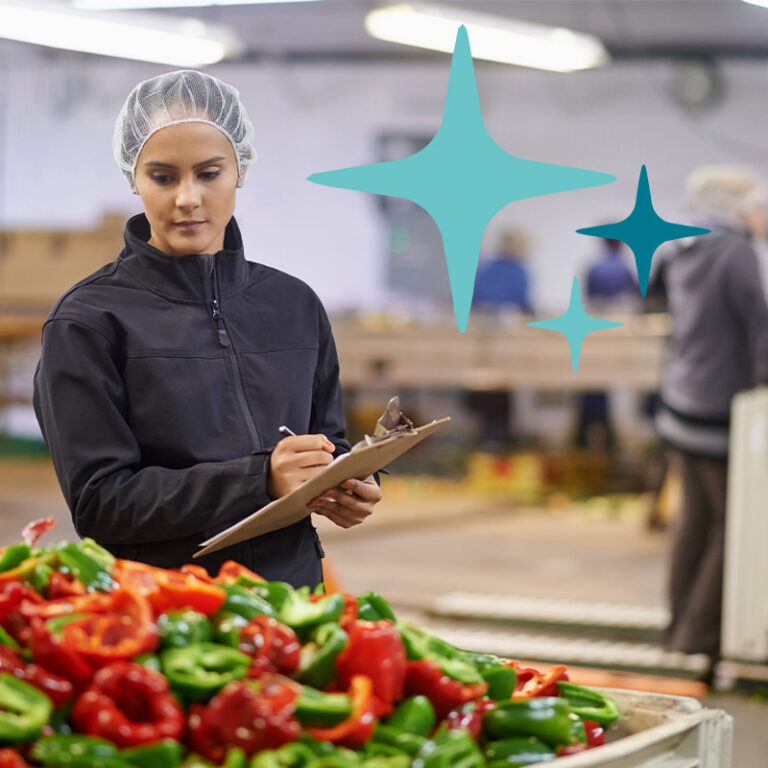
(188, 194)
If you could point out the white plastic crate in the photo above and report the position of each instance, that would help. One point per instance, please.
(659, 731)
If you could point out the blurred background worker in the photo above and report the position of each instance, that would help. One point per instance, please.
(501, 285)
(718, 347)
(611, 284)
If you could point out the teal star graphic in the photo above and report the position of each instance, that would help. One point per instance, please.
(643, 231)
(462, 178)
(575, 324)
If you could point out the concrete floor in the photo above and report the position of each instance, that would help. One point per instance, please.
(414, 551)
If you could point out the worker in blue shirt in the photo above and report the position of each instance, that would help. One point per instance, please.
(503, 281)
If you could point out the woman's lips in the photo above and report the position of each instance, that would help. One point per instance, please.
(190, 227)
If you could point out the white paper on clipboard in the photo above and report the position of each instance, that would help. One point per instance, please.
(292, 507)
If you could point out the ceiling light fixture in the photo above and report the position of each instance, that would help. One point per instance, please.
(761, 3)
(109, 5)
(493, 38)
(141, 37)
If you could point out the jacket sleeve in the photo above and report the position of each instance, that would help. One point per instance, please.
(327, 415)
(746, 296)
(80, 404)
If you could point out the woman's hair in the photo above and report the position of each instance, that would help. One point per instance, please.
(724, 193)
(181, 97)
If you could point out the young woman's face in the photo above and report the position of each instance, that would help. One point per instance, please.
(187, 173)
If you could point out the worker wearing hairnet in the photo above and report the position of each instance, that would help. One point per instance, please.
(165, 376)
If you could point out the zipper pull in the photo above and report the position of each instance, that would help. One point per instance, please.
(215, 311)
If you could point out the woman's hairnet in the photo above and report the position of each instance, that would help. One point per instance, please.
(724, 192)
(181, 97)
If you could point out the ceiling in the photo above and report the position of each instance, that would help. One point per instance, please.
(332, 30)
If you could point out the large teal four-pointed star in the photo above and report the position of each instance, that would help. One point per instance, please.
(462, 178)
(643, 231)
(575, 324)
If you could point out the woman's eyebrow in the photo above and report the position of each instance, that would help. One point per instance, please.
(156, 164)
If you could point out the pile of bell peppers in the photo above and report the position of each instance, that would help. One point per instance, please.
(109, 663)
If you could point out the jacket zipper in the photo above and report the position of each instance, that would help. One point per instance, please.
(224, 340)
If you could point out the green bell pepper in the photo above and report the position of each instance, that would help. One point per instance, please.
(387, 761)
(199, 670)
(57, 624)
(450, 749)
(303, 616)
(150, 661)
(13, 556)
(415, 715)
(410, 743)
(294, 755)
(589, 704)
(226, 628)
(483, 661)
(6, 639)
(371, 606)
(84, 568)
(453, 661)
(40, 578)
(501, 682)
(76, 751)
(274, 592)
(319, 748)
(317, 658)
(183, 627)
(24, 710)
(245, 603)
(235, 758)
(339, 758)
(162, 754)
(516, 752)
(322, 710)
(546, 718)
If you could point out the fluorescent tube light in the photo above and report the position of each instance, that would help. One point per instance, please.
(493, 38)
(107, 5)
(761, 3)
(141, 37)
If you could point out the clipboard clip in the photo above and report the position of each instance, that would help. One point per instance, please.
(391, 423)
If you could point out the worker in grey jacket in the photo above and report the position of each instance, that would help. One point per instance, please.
(718, 347)
(165, 375)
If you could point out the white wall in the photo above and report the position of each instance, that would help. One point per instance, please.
(56, 169)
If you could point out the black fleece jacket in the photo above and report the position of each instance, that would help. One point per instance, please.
(160, 389)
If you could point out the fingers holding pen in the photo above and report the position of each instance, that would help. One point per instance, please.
(295, 459)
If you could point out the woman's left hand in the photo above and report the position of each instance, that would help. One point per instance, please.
(352, 502)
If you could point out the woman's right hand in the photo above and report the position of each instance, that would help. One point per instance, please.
(294, 460)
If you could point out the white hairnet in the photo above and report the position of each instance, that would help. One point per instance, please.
(724, 192)
(181, 97)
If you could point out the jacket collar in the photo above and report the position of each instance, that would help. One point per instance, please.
(188, 278)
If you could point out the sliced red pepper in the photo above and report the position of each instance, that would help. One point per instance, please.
(167, 590)
(34, 530)
(375, 649)
(273, 646)
(349, 612)
(531, 683)
(129, 705)
(128, 630)
(64, 585)
(469, 717)
(198, 572)
(231, 571)
(52, 653)
(228, 720)
(358, 728)
(57, 688)
(10, 598)
(10, 758)
(426, 678)
(96, 602)
(595, 733)
(571, 749)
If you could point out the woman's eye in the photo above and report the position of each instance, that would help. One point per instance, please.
(210, 175)
(160, 178)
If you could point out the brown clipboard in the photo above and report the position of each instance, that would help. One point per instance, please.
(289, 509)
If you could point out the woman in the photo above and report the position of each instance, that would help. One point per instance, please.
(165, 375)
(719, 346)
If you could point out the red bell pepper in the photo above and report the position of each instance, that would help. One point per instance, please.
(231, 571)
(34, 530)
(246, 714)
(595, 733)
(531, 683)
(349, 611)
(358, 728)
(166, 590)
(424, 677)
(10, 598)
(469, 717)
(376, 650)
(10, 758)
(198, 572)
(273, 646)
(129, 704)
(58, 689)
(64, 585)
(96, 602)
(128, 630)
(52, 653)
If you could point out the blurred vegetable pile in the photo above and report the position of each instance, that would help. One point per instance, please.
(110, 663)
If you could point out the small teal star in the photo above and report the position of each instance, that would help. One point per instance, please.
(643, 231)
(462, 178)
(575, 324)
